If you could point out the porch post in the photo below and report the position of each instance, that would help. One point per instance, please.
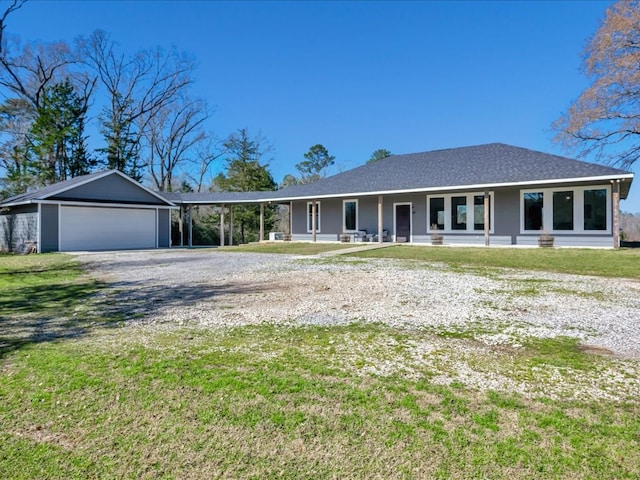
(380, 223)
(190, 228)
(291, 219)
(222, 225)
(486, 218)
(230, 224)
(616, 213)
(314, 227)
(261, 222)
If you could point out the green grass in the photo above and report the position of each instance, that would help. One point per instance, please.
(291, 248)
(624, 263)
(291, 402)
(39, 295)
(224, 404)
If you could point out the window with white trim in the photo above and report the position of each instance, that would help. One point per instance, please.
(349, 215)
(566, 209)
(458, 213)
(310, 217)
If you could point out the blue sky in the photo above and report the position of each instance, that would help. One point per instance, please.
(358, 76)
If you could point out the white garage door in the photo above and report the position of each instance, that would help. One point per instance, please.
(87, 228)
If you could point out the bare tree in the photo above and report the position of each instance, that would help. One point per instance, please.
(26, 71)
(206, 154)
(605, 119)
(171, 135)
(139, 88)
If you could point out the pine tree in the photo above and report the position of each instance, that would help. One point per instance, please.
(57, 141)
(246, 173)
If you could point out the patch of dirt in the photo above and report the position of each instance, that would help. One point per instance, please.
(595, 350)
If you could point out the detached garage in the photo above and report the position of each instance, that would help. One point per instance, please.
(101, 211)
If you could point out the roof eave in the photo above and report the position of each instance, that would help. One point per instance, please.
(556, 181)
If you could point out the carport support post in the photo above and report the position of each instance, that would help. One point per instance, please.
(230, 224)
(616, 213)
(190, 227)
(222, 225)
(314, 227)
(486, 218)
(380, 223)
(181, 225)
(261, 221)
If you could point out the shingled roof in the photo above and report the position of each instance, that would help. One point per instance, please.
(56, 189)
(477, 167)
(482, 166)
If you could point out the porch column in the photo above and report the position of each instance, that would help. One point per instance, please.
(291, 219)
(616, 213)
(380, 223)
(222, 225)
(261, 222)
(486, 218)
(314, 209)
(190, 241)
(230, 224)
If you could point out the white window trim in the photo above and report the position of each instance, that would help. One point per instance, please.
(344, 212)
(578, 210)
(308, 217)
(447, 213)
(410, 220)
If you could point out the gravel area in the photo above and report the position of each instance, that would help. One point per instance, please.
(461, 328)
(216, 288)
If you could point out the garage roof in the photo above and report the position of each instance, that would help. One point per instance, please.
(110, 186)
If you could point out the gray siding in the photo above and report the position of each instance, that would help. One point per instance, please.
(506, 223)
(164, 228)
(331, 215)
(507, 213)
(49, 228)
(112, 188)
(18, 228)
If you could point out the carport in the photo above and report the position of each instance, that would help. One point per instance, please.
(224, 201)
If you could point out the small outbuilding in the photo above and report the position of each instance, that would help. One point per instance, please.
(101, 211)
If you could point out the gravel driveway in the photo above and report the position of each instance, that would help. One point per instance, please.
(222, 288)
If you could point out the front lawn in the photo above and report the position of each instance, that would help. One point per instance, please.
(624, 263)
(353, 401)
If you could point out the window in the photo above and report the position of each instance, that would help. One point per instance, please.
(563, 210)
(478, 212)
(579, 209)
(310, 217)
(533, 206)
(350, 215)
(595, 209)
(458, 213)
(436, 212)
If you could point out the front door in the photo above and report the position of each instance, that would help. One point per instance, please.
(403, 223)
